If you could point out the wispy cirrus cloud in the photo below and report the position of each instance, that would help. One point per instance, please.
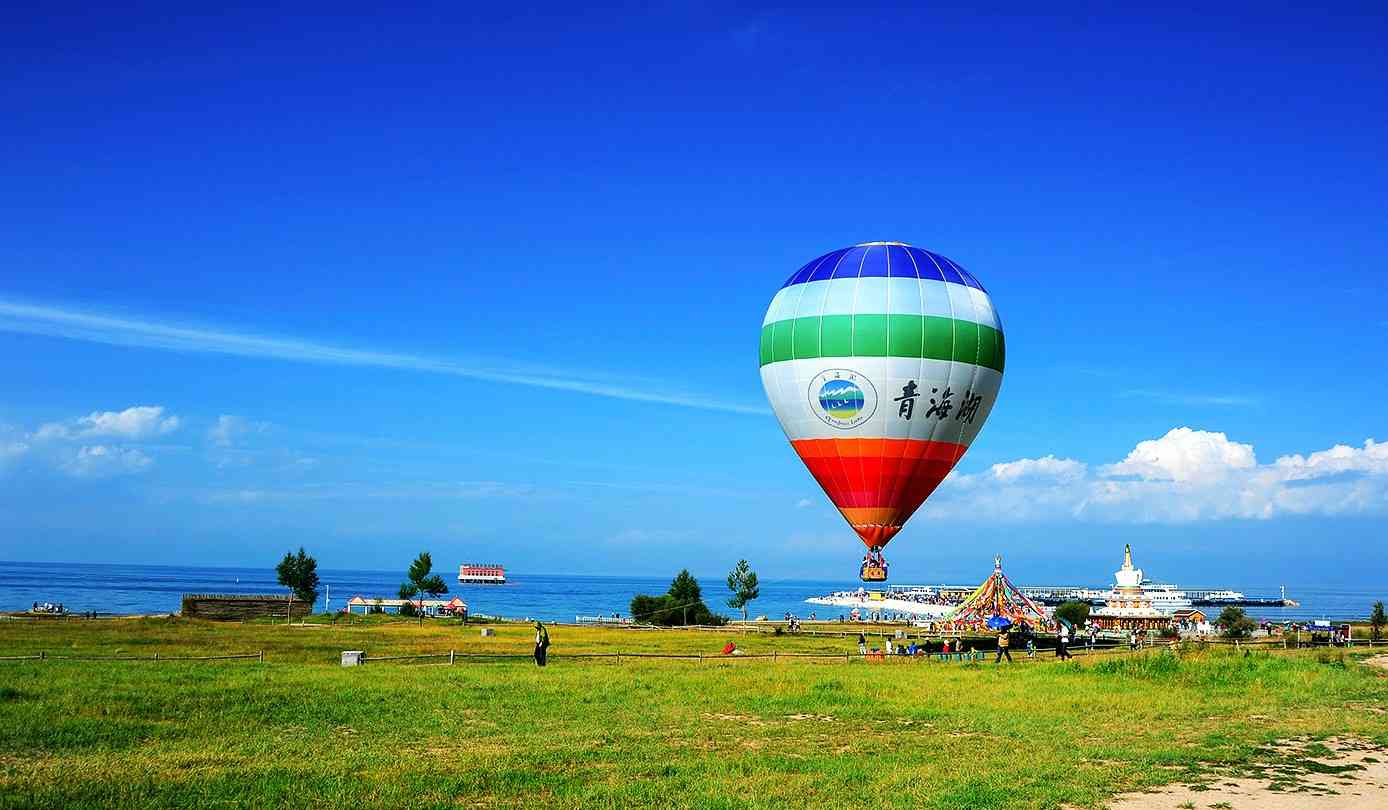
(355, 491)
(1189, 397)
(52, 321)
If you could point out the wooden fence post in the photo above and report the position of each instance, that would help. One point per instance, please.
(450, 657)
(156, 656)
(262, 656)
(43, 655)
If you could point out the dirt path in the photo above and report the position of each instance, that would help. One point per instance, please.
(1380, 661)
(1342, 773)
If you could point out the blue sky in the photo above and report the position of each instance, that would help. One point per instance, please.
(490, 282)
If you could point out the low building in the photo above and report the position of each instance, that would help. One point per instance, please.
(1193, 616)
(454, 607)
(1128, 608)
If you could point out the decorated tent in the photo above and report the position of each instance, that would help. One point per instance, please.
(997, 596)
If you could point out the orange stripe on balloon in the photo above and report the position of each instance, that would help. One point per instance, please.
(856, 448)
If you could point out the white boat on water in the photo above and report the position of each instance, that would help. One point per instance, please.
(1166, 598)
(919, 601)
(483, 574)
(1228, 596)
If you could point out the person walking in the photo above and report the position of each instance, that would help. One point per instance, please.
(1004, 643)
(862, 644)
(1062, 643)
(541, 645)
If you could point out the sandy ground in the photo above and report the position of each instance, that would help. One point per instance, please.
(1341, 773)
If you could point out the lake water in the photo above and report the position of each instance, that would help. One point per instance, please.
(137, 589)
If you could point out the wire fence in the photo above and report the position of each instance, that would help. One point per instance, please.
(258, 655)
(1017, 654)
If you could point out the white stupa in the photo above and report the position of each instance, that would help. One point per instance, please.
(1128, 607)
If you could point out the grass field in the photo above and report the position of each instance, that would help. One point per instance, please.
(300, 730)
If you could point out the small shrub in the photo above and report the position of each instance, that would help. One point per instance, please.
(1236, 623)
(682, 605)
(1162, 666)
(1334, 658)
(1076, 613)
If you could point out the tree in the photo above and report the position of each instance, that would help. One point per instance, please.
(1076, 613)
(1377, 620)
(422, 582)
(742, 581)
(1236, 623)
(649, 609)
(682, 605)
(298, 573)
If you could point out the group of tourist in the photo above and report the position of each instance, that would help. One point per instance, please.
(48, 607)
(921, 648)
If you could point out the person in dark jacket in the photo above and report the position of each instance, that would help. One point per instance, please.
(541, 644)
(1062, 643)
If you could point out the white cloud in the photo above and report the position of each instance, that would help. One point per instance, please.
(100, 461)
(11, 450)
(1185, 455)
(1372, 459)
(804, 503)
(1186, 475)
(223, 434)
(230, 429)
(139, 422)
(1061, 469)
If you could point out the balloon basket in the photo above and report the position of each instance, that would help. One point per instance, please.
(872, 573)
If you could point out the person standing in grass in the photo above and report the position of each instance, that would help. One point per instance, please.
(541, 645)
(862, 644)
(1004, 645)
(1062, 643)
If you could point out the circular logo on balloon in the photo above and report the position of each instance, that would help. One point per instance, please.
(842, 398)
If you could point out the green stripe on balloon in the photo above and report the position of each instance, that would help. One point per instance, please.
(916, 336)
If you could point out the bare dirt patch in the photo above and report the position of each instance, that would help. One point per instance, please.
(1342, 773)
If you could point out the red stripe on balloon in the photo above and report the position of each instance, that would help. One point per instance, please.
(878, 483)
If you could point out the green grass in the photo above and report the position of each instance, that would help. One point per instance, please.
(300, 730)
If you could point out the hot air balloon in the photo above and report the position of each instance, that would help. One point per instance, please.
(881, 362)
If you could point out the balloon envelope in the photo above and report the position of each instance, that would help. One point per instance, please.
(881, 362)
